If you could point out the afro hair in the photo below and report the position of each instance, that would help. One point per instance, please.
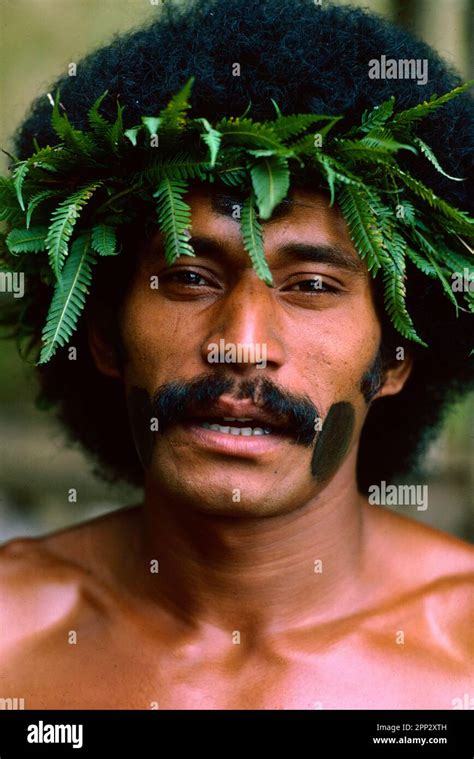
(308, 58)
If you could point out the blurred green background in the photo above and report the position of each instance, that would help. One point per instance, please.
(38, 39)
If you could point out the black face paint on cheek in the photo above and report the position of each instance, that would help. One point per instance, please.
(140, 413)
(333, 440)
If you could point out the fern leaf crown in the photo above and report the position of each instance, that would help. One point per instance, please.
(62, 207)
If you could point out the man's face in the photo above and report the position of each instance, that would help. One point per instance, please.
(314, 335)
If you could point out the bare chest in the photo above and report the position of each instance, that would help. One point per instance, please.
(111, 668)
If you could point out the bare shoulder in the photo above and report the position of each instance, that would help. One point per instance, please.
(430, 576)
(71, 546)
(45, 579)
(418, 549)
(93, 545)
(36, 589)
(27, 562)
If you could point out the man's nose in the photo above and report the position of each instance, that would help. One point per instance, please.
(247, 316)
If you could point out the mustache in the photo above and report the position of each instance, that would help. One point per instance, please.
(176, 401)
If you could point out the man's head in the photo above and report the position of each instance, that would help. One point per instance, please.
(317, 328)
(324, 349)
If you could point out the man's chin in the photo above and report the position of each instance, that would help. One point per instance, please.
(244, 509)
(220, 490)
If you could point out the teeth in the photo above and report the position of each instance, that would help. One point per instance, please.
(237, 418)
(245, 431)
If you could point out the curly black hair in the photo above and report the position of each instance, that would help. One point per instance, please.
(308, 58)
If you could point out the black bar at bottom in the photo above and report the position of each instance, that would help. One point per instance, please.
(145, 734)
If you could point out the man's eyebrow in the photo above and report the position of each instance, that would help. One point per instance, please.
(294, 252)
(320, 253)
(333, 254)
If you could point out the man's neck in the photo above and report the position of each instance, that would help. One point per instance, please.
(267, 575)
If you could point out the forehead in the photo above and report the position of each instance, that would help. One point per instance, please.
(305, 213)
(303, 228)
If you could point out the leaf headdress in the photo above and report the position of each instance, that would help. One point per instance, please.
(63, 206)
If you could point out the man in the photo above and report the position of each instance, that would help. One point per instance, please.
(255, 574)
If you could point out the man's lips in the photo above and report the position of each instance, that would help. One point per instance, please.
(246, 446)
(236, 428)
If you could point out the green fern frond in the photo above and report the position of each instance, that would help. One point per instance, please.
(181, 166)
(377, 117)
(72, 138)
(174, 217)
(271, 180)
(59, 122)
(19, 175)
(97, 122)
(383, 139)
(249, 133)
(234, 177)
(409, 116)
(394, 244)
(69, 297)
(330, 176)
(63, 220)
(151, 124)
(10, 210)
(363, 227)
(132, 134)
(354, 151)
(426, 150)
(291, 126)
(421, 263)
(233, 156)
(394, 298)
(335, 173)
(451, 258)
(394, 278)
(104, 239)
(211, 137)
(277, 108)
(460, 220)
(115, 132)
(36, 200)
(27, 240)
(252, 236)
(43, 159)
(431, 254)
(174, 115)
(307, 144)
(408, 215)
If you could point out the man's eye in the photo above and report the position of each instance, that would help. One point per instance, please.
(313, 285)
(187, 278)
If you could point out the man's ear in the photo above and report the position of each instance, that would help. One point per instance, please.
(101, 346)
(395, 375)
